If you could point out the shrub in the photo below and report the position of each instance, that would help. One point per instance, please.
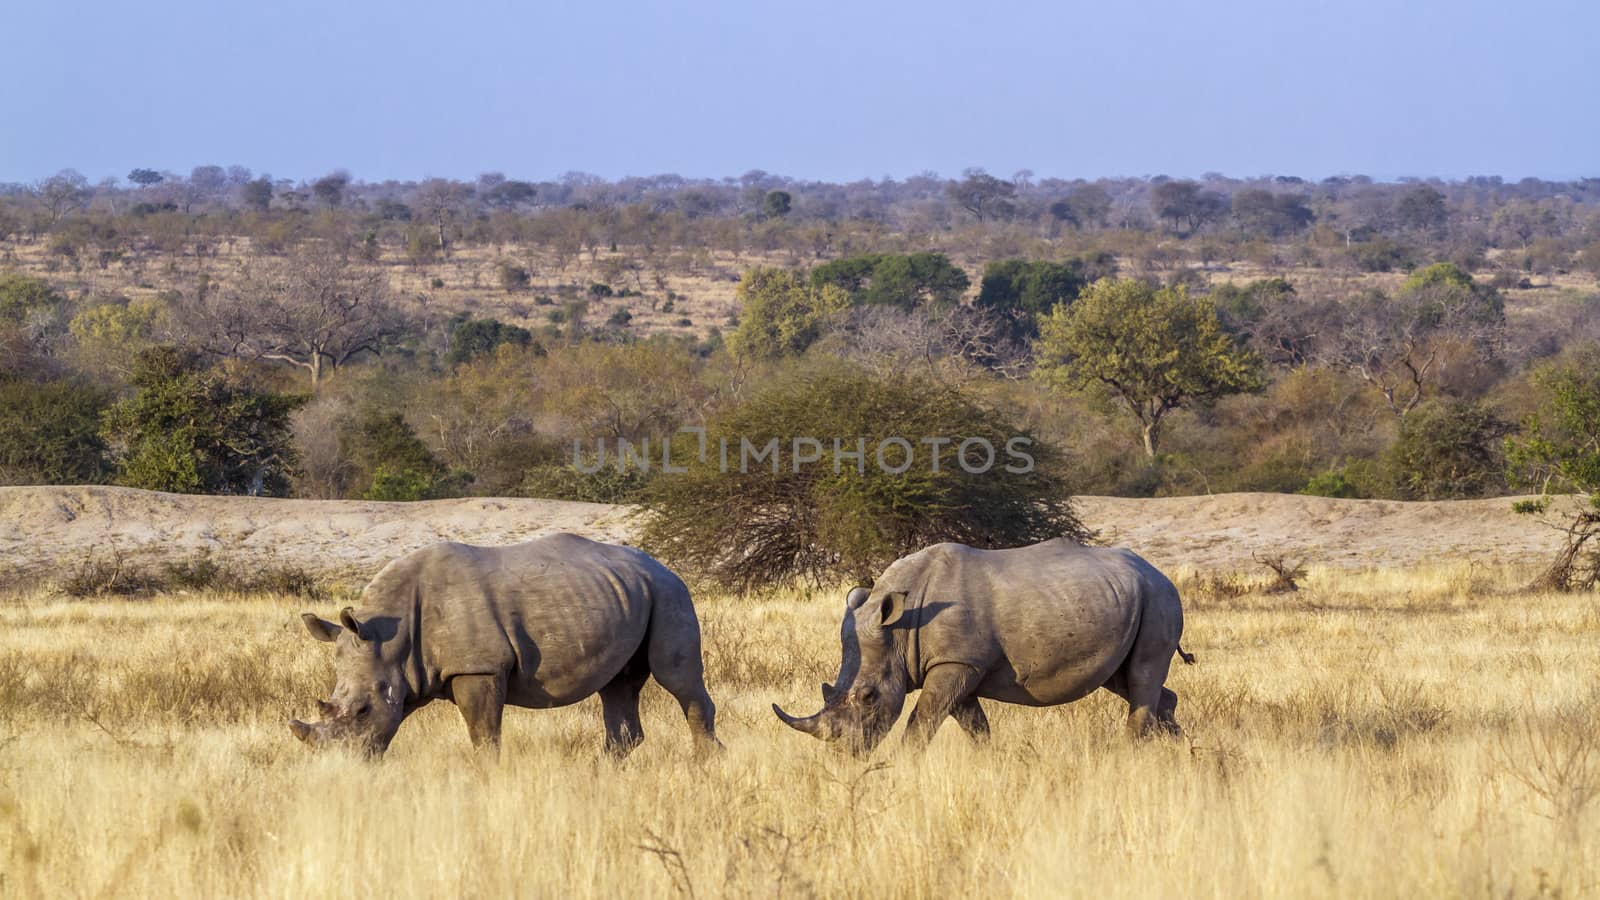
(395, 463)
(1381, 255)
(1560, 450)
(760, 525)
(190, 429)
(1023, 290)
(50, 432)
(782, 315)
(472, 338)
(21, 296)
(904, 280)
(513, 277)
(1448, 450)
(1332, 483)
(567, 482)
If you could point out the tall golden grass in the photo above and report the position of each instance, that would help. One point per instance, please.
(1417, 733)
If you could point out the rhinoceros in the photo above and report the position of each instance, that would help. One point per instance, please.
(540, 624)
(1038, 626)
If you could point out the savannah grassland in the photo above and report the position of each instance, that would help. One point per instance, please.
(1420, 733)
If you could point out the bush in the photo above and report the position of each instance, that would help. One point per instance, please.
(195, 430)
(1560, 450)
(1448, 450)
(50, 432)
(781, 314)
(1332, 483)
(393, 462)
(21, 297)
(763, 524)
(513, 277)
(472, 338)
(901, 280)
(1023, 290)
(1381, 255)
(567, 482)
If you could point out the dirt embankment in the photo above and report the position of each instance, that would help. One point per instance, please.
(46, 530)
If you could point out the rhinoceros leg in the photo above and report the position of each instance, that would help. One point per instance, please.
(619, 701)
(482, 701)
(944, 687)
(1141, 682)
(673, 649)
(969, 715)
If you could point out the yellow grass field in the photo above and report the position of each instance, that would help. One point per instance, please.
(1427, 732)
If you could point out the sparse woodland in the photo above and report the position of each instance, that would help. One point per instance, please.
(438, 338)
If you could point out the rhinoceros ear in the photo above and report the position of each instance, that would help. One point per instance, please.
(856, 597)
(894, 607)
(320, 629)
(347, 618)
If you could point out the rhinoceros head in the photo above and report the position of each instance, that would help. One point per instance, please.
(368, 696)
(860, 707)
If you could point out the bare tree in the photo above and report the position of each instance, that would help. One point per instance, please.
(62, 193)
(441, 199)
(316, 312)
(957, 343)
(1403, 347)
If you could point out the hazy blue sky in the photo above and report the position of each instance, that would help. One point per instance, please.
(820, 89)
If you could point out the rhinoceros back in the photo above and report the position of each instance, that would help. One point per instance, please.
(1049, 622)
(561, 614)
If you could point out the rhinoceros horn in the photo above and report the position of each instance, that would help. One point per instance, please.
(811, 725)
(301, 730)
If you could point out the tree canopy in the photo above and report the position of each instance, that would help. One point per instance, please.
(1154, 349)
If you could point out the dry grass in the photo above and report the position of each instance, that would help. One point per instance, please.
(1400, 733)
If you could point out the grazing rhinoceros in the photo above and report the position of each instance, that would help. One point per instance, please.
(1037, 625)
(540, 624)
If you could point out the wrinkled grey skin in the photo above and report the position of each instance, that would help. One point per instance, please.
(540, 624)
(1038, 626)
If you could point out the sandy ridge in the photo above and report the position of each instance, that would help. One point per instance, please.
(44, 529)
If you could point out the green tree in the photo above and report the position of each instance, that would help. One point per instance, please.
(751, 525)
(1155, 350)
(903, 280)
(194, 430)
(1559, 451)
(472, 338)
(1448, 450)
(145, 177)
(776, 204)
(781, 315)
(1021, 290)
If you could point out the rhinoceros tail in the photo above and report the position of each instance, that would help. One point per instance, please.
(1188, 658)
